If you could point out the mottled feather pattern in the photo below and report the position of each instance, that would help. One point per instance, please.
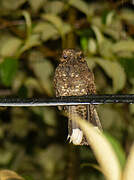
(73, 78)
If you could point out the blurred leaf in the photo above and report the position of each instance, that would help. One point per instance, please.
(115, 71)
(105, 49)
(128, 173)
(33, 84)
(9, 175)
(66, 28)
(97, 22)
(20, 125)
(105, 156)
(128, 65)
(110, 17)
(52, 164)
(47, 113)
(18, 81)
(91, 165)
(22, 92)
(117, 148)
(43, 70)
(109, 116)
(33, 40)
(104, 16)
(8, 69)
(80, 5)
(54, 7)
(127, 14)
(27, 17)
(47, 30)
(55, 20)
(36, 5)
(115, 29)
(5, 157)
(62, 27)
(11, 4)
(101, 81)
(92, 46)
(115, 33)
(28, 177)
(90, 62)
(123, 45)
(84, 43)
(49, 116)
(85, 32)
(99, 35)
(9, 44)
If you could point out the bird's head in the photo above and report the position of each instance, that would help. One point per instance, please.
(69, 55)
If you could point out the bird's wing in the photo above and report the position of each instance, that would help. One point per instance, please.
(93, 117)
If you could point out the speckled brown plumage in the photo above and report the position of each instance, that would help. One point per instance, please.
(73, 78)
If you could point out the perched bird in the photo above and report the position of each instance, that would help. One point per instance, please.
(74, 78)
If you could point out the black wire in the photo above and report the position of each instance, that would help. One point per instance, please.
(69, 100)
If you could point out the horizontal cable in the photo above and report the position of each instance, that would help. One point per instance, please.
(68, 100)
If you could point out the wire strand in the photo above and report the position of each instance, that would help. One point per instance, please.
(68, 100)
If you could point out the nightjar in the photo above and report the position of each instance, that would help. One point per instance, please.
(74, 78)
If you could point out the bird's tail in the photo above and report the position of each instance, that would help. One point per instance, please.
(87, 112)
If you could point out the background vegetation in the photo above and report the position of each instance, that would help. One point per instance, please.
(32, 35)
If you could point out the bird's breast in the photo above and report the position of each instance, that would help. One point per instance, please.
(71, 82)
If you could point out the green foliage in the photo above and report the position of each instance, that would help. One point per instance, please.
(128, 64)
(8, 69)
(110, 156)
(32, 35)
(118, 149)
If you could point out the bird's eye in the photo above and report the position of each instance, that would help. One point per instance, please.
(65, 56)
(80, 57)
